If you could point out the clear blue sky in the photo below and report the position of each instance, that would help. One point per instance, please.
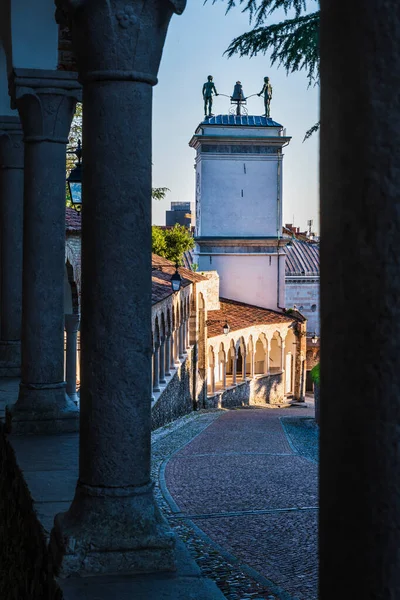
(194, 49)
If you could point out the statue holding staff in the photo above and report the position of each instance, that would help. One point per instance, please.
(267, 91)
(209, 90)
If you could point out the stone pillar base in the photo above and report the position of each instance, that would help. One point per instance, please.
(111, 530)
(10, 359)
(42, 409)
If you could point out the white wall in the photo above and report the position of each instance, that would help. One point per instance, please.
(305, 295)
(238, 195)
(251, 279)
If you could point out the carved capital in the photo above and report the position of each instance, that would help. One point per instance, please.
(11, 143)
(46, 102)
(118, 39)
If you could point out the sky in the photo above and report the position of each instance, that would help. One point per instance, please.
(194, 48)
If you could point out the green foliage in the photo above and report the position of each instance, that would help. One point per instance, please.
(293, 43)
(159, 193)
(158, 241)
(172, 243)
(194, 267)
(315, 376)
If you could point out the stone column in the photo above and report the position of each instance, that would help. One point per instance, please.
(156, 372)
(359, 523)
(71, 328)
(181, 350)
(187, 344)
(176, 346)
(234, 367)
(224, 373)
(114, 523)
(172, 351)
(252, 366)
(267, 365)
(212, 377)
(46, 102)
(162, 361)
(244, 365)
(168, 360)
(11, 228)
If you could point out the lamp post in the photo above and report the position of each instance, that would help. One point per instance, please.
(176, 280)
(75, 180)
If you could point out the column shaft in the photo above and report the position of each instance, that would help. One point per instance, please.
(234, 366)
(181, 343)
(359, 522)
(46, 102)
(71, 328)
(162, 361)
(11, 236)
(156, 372)
(168, 360)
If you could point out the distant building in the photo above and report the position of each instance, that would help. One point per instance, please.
(181, 212)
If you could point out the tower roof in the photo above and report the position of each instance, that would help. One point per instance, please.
(242, 120)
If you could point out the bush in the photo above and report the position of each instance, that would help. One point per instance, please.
(315, 376)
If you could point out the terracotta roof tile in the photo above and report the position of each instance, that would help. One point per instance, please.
(239, 315)
(162, 270)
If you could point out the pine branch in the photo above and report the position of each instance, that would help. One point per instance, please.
(294, 44)
(312, 130)
(259, 10)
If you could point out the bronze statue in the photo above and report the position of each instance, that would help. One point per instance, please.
(208, 90)
(267, 91)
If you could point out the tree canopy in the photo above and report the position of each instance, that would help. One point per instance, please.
(172, 243)
(293, 42)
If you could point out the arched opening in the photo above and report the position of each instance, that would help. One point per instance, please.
(260, 358)
(275, 355)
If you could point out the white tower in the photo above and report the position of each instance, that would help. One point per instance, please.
(239, 206)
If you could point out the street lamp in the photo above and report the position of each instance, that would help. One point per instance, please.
(75, 180)
(176, 280)
(226, 328)
(314, 338)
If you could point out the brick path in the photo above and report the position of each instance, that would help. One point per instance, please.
(245, 484)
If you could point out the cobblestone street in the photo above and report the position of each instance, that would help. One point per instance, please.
(240, 488)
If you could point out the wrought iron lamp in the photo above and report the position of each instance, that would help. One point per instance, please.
(176, 280)
(314, 338)
(226, 329)
(75, 180)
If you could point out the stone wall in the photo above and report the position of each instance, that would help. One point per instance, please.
(23, 549)
(176, 399)
(212, 289)
(253, 392)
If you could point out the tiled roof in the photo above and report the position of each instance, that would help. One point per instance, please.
(72, 220)
(162, 270)
(239, 315)
(302, 259)
(250, 120)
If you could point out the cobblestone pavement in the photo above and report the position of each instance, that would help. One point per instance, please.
(240, 488)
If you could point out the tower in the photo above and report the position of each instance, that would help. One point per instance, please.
(239, 206)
